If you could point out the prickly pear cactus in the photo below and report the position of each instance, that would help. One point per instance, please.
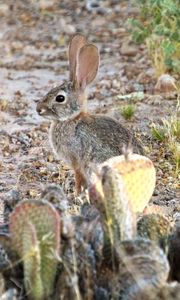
(35, 233)
(119, 216)
(122, 186)
(32, 261)
(138, 176)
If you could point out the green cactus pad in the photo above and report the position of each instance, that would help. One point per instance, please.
(35, 234)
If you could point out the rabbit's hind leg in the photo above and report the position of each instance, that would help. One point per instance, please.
(80, 181)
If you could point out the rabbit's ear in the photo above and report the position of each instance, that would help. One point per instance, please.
(87, 65)
(76, 43)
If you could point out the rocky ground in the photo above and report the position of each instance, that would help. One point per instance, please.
(33, 58)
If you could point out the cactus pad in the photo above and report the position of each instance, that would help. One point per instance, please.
(35, 234)
(137, 173)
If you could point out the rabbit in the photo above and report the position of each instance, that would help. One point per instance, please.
(77, 136)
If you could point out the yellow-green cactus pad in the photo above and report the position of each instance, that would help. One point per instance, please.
(138, 176)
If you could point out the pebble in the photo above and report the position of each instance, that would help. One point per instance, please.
(128, 50)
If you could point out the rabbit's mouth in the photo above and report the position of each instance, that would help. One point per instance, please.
(47, 113)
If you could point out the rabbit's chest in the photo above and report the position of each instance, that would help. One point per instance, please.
(63, 141)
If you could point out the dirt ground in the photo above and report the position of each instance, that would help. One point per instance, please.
(33, 58)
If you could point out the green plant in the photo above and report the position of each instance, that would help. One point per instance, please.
(169, 134)
(158, 24)
(35, 234)
(128, 111)
(157, 132)
(170, 129)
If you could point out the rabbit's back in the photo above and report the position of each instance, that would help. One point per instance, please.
(105, 137)
(91, 138)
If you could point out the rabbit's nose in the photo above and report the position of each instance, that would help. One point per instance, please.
(40, 109)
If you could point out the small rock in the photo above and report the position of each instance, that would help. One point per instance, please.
(4, 8)
(116, 84)
(47, 5)
(17, 45)
(129, 50)
(67, 28)
(165, 84)
(156, 192)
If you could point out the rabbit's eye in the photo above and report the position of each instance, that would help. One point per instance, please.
(60, 98)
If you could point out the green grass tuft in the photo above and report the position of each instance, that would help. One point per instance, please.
(128, 111)
(169, 134)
